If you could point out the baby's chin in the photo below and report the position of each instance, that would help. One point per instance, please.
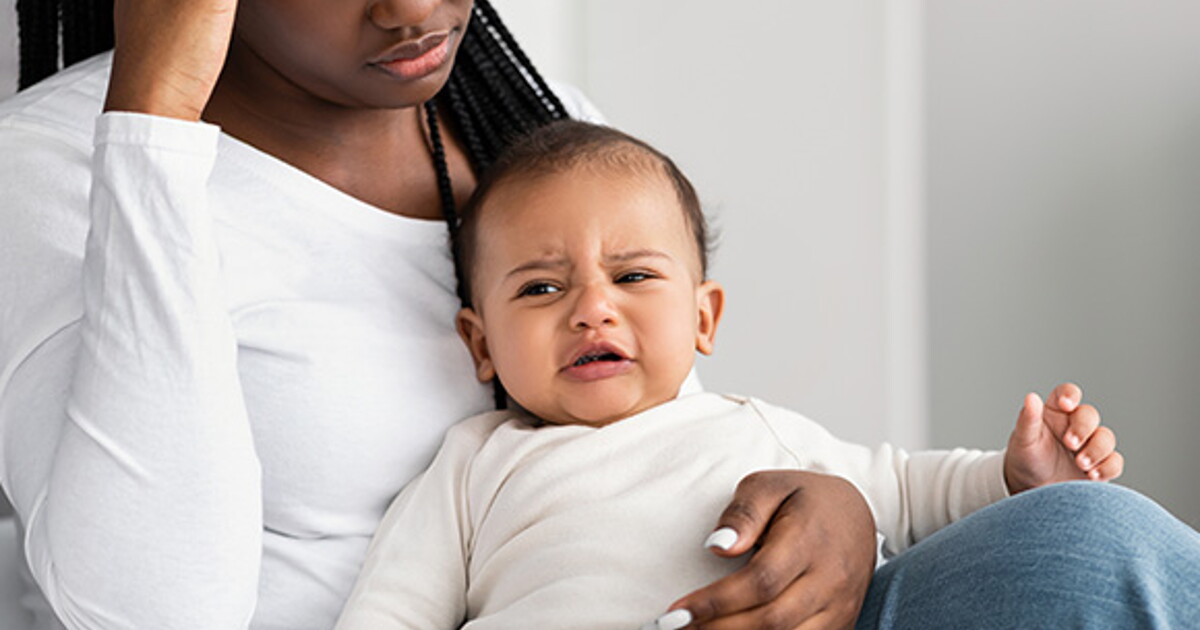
(596, 413)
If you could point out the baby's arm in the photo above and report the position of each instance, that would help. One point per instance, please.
(1061, 440)
(911, 495)
(415, 575)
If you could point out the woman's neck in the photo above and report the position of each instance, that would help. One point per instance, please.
(380, 156)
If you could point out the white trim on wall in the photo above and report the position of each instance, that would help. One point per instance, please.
(906, 287)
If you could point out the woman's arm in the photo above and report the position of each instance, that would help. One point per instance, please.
(152, 512)
(144, 507)
(168, 55)
(126, 446)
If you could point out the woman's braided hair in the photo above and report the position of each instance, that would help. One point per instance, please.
(493, 96)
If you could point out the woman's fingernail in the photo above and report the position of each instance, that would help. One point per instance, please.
(722, 539)
(1073, 442)
(674, 620)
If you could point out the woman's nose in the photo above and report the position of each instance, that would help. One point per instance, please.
(594, 308)
(393, 14)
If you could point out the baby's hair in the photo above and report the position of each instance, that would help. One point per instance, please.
(562, 146)
(493, 94)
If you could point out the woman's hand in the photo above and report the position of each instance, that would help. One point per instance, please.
(816, 556)
(168, 55)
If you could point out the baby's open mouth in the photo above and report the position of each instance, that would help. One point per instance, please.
(591, 358)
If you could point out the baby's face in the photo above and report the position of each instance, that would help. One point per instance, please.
(589, 298)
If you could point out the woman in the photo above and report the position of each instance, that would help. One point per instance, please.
(207, 429)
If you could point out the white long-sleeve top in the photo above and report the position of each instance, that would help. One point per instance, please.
(216, 371)
(515, 526)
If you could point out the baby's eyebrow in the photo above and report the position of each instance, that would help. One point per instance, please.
(561, 262)
(555, 262)
(634, 254)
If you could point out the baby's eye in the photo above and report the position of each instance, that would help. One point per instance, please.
(538, 288)
(630, 277)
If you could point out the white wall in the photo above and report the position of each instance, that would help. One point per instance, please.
(1064, 179)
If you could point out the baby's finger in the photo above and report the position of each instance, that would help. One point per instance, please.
(1065, 398)
(1059, 405)
(1029, 422)
(1102, 444)
(1080, 426)
(1109, 469)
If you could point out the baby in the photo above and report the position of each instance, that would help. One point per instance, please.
(583, 254)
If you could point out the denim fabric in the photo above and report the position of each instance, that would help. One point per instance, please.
(1071, 555)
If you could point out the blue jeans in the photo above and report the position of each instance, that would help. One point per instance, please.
(1072, 555)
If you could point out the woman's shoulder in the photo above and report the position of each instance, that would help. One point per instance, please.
(63, 106)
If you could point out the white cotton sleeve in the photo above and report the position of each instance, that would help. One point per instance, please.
(149, 512)
(415, 575)
(911, 495)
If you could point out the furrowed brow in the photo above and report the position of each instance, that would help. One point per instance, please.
(538, 265)
(620, 257)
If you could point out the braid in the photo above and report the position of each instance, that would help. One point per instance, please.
(37, 21)
(494, 93)
(86, 28)
(468, 128)
(441, 169)
(548, 99)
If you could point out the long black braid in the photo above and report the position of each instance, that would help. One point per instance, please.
(493, 95)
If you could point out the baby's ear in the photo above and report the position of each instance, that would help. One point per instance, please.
(710, 302)
(470, 328)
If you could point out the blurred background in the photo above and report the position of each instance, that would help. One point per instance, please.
(926, 208)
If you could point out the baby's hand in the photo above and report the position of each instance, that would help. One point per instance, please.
(1061, 440)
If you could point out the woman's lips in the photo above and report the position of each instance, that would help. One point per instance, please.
(415, 59)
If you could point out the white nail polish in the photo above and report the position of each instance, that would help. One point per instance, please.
(674, 620)
(723, 538)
